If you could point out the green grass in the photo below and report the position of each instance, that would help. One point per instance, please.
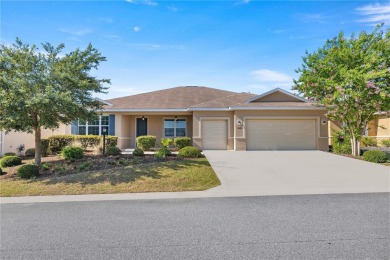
(185, 175)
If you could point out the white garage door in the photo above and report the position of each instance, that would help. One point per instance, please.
(280, 134)
(214, 134)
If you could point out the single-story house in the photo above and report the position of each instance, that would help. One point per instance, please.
(213, 118)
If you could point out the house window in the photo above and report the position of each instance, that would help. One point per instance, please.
(94, 127)
(175, 127)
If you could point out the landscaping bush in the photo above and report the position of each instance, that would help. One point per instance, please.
(368, 141)
(181, 142)
(88, 140)
(166, 142)
(189, 152)
(28, 171)
(113, 150)
(138, 152)
(30, 152)
(58, 142)
(45, 143)
(10, 154)
(375, 156)
(9, 161)
(146, 142)
(341, 143)
(72, 153)
(163, 152)
(385, 142)
(111, 140)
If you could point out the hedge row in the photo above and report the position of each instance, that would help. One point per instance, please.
(146, 142)
(57, 142)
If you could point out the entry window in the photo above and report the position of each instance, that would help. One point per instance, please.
(94, 127)
(175, 127)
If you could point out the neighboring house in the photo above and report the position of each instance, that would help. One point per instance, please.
(213, 118)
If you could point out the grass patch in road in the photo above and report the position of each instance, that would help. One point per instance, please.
(182, 175)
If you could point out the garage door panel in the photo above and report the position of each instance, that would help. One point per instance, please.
(280, 134)
(214, 134)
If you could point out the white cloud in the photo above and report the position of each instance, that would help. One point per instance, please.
(136, 28)
(173, 8)
(268, 79)
(313, 18)
(111, 36)
(144, 2)
(76, 32)
(375, 13)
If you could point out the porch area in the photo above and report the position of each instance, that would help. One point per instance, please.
(168, 125)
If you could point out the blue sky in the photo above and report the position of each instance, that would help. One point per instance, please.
(234, 45)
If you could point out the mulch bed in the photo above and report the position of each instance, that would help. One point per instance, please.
(56, 165)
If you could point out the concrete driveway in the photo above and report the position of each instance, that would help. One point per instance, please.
(255, 173)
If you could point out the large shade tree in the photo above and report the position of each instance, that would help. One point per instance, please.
(351, 77)
(43, 88)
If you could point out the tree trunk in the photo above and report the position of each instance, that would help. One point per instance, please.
(38, 146)
(355, 145)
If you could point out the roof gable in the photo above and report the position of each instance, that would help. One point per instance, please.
(276, 95)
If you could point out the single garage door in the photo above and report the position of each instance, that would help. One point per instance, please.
(280, 134)
(214, 134)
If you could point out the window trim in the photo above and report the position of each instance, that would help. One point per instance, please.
(88, 125)
(174, 126)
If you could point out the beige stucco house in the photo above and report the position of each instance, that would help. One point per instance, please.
(213, 118)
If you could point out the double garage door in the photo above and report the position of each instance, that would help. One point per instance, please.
(263, 134)
(280, 134)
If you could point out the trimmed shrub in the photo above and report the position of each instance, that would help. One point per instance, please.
(30, 152)
(28, 171)
(45, 143)
(58, 142)
(113, 150)
(138, 152)
(368, 141)
(163, 152)
(72, 153)
(375, 156)
(10, 154)
(189, 152)
(111, 140)
(88, 140)
(385, 142)
(166, 142)
(181, 142)
(146, 142)
(9, 161)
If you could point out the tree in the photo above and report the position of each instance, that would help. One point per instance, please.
(351, 77)
(44, 88)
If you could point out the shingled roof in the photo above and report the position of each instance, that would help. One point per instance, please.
(193, 98)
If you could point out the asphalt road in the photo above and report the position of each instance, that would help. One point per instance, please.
(348, 226)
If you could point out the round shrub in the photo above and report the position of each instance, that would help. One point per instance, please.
(27, 171)
(45, 143)
(9, 161)
(72, 153)
(181, 142)
(113, 150)
(189, 152)
(386, 142)
(163, 152)
(145, 142)
(375, 156)
(30, 152)
(138, 152)
(10, 154)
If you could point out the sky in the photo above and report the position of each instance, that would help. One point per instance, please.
(238, 45)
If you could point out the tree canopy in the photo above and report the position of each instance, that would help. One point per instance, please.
(351, 77)
(45, 88)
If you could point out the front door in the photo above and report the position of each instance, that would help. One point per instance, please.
(142, 126)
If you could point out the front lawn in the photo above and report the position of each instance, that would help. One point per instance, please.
(147, 176)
